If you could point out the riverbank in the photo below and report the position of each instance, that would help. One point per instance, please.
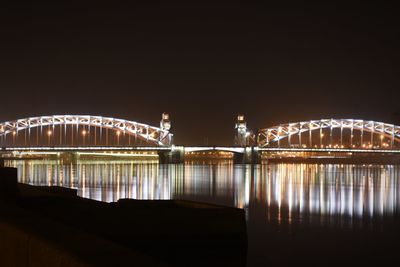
(52, 226)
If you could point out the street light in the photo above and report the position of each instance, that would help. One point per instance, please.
(118, 134)
(84, 134)
(321, 136)
(279, 133)
(14, 133)
(49, 133)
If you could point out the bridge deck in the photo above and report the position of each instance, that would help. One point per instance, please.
(87, 148)
(328, 150)
(234, 149)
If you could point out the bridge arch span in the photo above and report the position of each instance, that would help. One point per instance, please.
(151, 134)
(275, 134)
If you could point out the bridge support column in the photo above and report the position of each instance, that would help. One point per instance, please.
(250, 156)
(175, 155)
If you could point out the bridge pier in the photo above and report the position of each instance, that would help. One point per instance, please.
(69, 157)
(176, 155)
(250, 156)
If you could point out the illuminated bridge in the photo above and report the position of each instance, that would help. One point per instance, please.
(331, 133)
(98, 135)
(84, 134)
(82, 129)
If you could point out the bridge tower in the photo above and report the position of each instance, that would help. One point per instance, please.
(241, 133)
(165, 123)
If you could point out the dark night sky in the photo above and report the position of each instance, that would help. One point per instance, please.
(202, 63)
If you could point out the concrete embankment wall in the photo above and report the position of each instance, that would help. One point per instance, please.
(21, 248)
(51, 226)
(29, 240)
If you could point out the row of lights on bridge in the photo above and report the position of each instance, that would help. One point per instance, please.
(364, 145)
(84, 133)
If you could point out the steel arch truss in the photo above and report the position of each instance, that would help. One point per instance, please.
(274, 134)
(150, 134)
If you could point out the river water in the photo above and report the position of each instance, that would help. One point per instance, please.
(292, 210)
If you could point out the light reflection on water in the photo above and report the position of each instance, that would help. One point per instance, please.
(286, 191)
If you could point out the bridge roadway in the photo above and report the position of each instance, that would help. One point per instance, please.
(176, 154)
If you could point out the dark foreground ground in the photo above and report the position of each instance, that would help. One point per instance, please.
(51, 226)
